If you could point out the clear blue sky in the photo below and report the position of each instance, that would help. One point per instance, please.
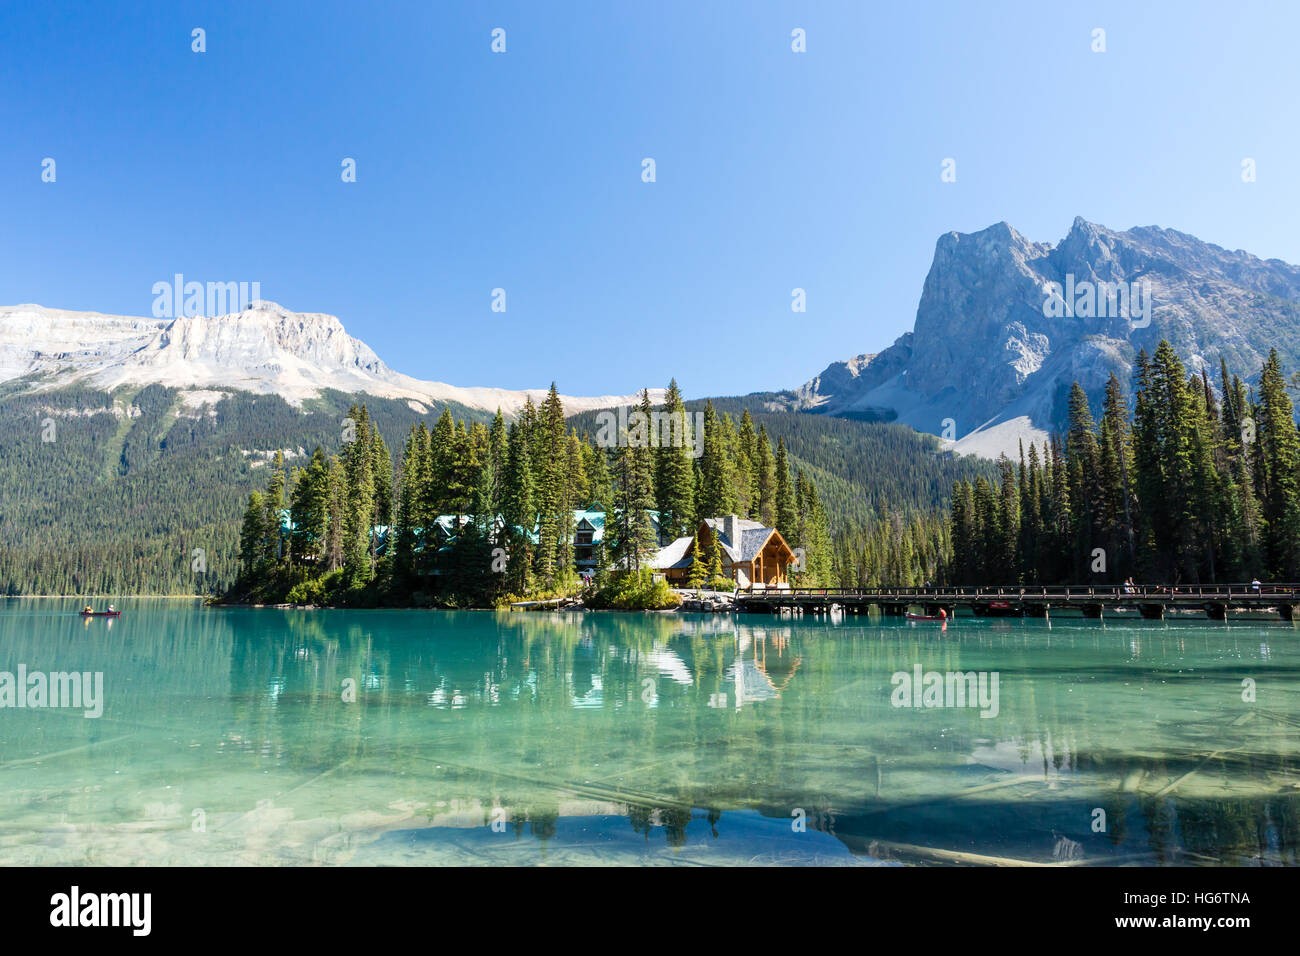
(475, 170)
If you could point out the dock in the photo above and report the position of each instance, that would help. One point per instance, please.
(1151, 601)
(549, 603)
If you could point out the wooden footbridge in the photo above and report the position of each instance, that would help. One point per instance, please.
(1216, 600)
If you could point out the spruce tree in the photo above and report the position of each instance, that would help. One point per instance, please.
(518, 510)
(252, 532)
(359, 503)
(699, 572)
(628, 528)
(765, 481)
(1279, 456)
(273, 505)
(786, 517)
(674, 478)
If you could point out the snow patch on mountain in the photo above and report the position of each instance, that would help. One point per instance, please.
(265, 349)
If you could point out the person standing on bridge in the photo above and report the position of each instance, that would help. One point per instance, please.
(1254, 585)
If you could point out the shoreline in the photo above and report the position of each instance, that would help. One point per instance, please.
(115, 596)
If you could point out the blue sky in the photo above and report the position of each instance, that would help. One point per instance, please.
(522, 170)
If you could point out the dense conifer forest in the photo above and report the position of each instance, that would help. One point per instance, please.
(135, 492)
(113, 492)
(1197, 485)
(1195, 479)
(476, 514)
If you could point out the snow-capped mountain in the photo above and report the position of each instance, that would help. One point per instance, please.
(265, 349)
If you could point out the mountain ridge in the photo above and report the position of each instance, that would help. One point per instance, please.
(264, 349)
(987, 365)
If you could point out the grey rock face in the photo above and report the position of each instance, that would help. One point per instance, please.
(986, 352)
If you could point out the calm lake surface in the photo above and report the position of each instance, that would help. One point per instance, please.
(497, 738)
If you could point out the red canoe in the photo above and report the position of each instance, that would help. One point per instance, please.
(924, 617)
(101, 613)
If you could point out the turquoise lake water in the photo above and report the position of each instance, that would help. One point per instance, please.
(263, 736)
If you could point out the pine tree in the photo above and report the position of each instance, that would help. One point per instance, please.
(252, 533)
(498, 446)
(595, 466)
(335, 531)
(381, 469)
(765, 481)
(1119, 482)
(746, 476)
(699, 572)
(273, 505)
(1085, 483)
(1278, 456)
(518, 510)
(359, 503)
(988, 534)
(674, 478)
(717, 580)
(551, 491)
(309, 509)
(441, 488)
(1007, 551)
(961, 520)
(633, 539)
(717, 493)
(786, 518)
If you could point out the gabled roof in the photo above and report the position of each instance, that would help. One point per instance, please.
(672, 556)
(753, 534)
(754, 539)
(736, 549)
(595, 520)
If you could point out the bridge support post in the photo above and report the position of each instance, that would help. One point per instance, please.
(1286, 611)
(1216, 612)
(1037, 610)
(893, 610)
(1092, 611)
(1152, 612)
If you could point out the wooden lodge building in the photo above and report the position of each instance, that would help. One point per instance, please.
(752, 555)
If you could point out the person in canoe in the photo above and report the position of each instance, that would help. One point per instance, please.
(87, 610)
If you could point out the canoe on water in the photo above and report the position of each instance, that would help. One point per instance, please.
(101, 613)
(924, 617)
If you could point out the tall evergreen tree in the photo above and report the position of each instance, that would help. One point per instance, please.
(674, 477)
(786, 518)
(1278, 456)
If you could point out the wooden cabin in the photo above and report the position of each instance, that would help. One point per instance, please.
(752, 555)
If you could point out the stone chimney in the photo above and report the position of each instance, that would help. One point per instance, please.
(731, 528)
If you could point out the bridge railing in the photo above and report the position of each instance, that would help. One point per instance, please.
(1110, 592)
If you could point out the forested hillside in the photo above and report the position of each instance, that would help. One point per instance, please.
(859, 467)
(111, 493)
(131, 482)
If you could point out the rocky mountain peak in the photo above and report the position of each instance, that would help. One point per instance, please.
(991, 360)
(265, 349)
